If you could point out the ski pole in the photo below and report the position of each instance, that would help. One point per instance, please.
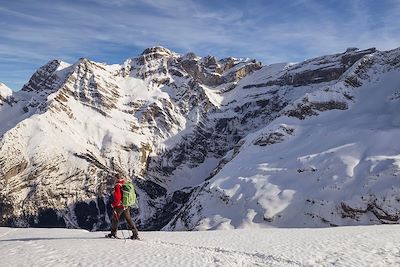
(117, 218)
(122, 231)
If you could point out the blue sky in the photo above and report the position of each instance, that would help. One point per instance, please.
(34, 32)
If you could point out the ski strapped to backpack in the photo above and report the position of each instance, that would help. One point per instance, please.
(128, 195)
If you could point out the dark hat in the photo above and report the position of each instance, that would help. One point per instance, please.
(119, 177)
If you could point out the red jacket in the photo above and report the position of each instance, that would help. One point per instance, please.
(117, 203)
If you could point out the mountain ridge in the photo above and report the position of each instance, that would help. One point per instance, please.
(175, 123)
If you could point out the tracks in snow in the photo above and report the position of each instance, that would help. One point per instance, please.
(226, 257)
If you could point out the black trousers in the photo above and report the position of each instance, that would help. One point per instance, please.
(115, 219)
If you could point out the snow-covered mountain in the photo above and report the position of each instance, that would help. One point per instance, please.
(211, 143)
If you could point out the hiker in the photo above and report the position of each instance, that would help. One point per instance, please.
(119, 209)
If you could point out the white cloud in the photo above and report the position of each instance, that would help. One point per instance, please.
(96, 28)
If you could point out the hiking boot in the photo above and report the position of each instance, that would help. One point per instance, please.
(111, 236)
(135, 237)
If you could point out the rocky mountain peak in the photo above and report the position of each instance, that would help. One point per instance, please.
(157, 49)
(5, 93)
(190, 56)
(47, 77)
(4, 88)
(351, 49)
(159, 66)
(210, 61)
(314, 71)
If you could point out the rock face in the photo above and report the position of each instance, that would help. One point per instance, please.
(199, 137)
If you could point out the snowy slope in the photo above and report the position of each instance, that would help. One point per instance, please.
(337, 168)
(5, 93)
(210, 143)
(342, 246)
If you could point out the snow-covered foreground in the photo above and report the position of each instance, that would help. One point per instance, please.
(341, 246)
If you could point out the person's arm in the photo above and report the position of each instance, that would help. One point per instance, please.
(117, 196)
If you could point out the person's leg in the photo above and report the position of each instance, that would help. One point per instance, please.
(115, 219)
(131, 224)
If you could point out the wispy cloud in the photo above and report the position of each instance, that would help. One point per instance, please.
(271, 31)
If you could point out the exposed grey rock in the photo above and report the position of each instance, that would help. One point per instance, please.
(274, 137)
(44, 79)
(306, 109)
(325, 69)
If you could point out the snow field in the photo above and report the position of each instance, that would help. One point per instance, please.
(340, 246)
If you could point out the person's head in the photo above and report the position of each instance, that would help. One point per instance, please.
(118, 177)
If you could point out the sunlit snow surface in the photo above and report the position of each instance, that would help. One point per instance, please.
(341, 246)
(5, 91)
(336, 157)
